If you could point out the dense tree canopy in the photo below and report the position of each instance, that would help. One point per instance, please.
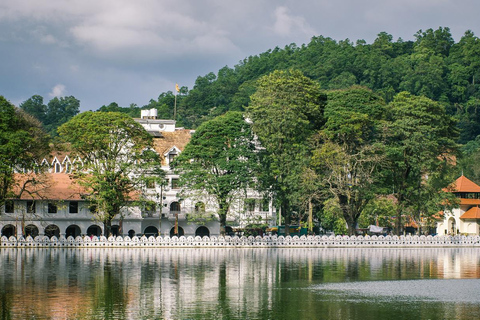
(286, 110)
(117, 160)
(23, 144)
(54, 114)
(219, 161)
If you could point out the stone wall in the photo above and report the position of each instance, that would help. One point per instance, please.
(242, 242)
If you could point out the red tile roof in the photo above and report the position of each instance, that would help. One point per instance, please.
(463, 184)
(472, 213)
(51, 186)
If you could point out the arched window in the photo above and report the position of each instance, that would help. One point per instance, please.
(52, 230)
(175, 207)
(181, 232)
(202, 231)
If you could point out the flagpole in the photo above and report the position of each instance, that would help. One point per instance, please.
(177, 89)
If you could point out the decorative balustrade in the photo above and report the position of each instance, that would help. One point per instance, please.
(249, 242)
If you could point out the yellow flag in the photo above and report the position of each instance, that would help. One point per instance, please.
(177, 87)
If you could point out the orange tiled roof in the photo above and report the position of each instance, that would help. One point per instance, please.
(472, 213)
(463, 184)
(179, 138)
(51, 186)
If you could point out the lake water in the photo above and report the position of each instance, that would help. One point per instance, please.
(233, 283)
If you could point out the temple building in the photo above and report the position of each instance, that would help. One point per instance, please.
(465, 219)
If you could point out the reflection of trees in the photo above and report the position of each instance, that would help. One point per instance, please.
(215, 283)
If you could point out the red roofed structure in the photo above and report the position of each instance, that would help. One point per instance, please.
(466, 218)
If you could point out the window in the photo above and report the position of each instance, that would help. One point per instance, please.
(30, 206)
(9, 206)
(175, 184)
(265, 204)
(171, 157)
(52, 207)
(250, 205)
(73, 207)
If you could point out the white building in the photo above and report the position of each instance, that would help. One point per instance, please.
(465, 219)
(55, 205)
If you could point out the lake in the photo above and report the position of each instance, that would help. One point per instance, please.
(240, 283)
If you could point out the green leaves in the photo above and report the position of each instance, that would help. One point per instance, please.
(117, 156)
(220, 160)
(23, 144)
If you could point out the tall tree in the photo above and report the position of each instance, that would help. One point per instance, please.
(286, 110)
(23, 144)
(117, 160)
(349, 150)
(220, 160)
(59, 111)
(420, 146)
(35, 107)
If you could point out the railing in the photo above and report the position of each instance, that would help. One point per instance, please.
(253, 242)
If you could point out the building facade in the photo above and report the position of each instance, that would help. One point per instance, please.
(54, 206)
(464, 219)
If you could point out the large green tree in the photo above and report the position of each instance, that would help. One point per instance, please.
(420, 149)
(23, 144)
(220, 160)
(286, 110)
(117, 158)
(349, 150)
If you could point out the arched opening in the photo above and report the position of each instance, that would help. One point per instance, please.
(150, 231)
(72, 230)
(115, 230)
(175, 207)
(452, 226)
(131, 233)
(52, 230)
(202, 231)
(9, 230)
(94, 230)
(31, 230)
(180, 232)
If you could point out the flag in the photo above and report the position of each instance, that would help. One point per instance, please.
(177, 88)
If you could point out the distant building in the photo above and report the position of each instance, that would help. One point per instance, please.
(54, 205)
(465, 219)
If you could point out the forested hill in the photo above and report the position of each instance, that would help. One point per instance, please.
(433, 65)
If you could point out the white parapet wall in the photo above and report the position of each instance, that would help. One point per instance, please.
(242, 242)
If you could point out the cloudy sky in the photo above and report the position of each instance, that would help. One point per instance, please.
(126, 51)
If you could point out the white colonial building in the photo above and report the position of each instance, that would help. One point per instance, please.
(465, 219)
(53, 205)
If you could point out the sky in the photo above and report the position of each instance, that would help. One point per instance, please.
(130, 51)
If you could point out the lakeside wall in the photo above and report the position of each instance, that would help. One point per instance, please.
(241, 242)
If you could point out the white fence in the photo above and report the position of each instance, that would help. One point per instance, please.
(242, 242)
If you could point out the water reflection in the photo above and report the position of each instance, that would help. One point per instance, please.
(232, 283)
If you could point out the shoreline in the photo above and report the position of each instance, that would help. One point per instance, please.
(244, 242)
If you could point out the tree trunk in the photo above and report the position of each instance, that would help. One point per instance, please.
(222, 215)
(107, 227)
(310, 217)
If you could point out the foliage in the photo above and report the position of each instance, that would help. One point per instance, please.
(348, 151)
(133, 110)
(23, 144)
(55, 113)
(220, 160)
(420, 146)
(332, 217)
(286, 110)
(117, 160)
